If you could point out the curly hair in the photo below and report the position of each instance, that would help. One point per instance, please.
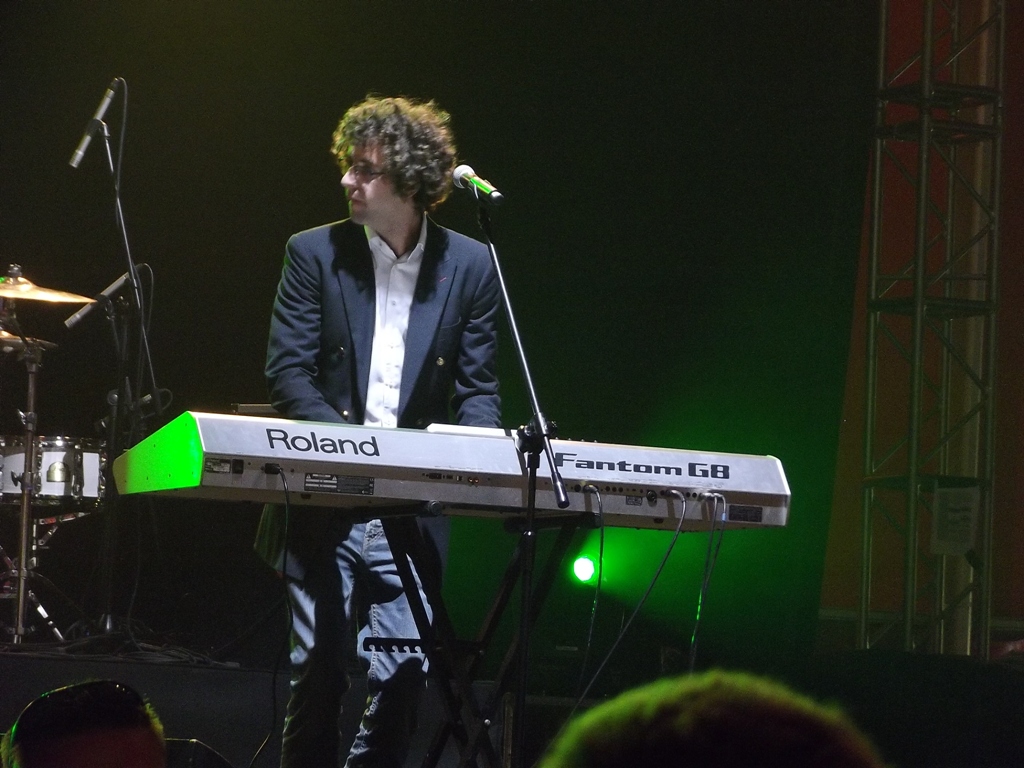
(414, 140)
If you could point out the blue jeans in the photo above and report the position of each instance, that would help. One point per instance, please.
(353, 580)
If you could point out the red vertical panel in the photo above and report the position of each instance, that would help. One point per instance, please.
(840, 586)
(1008, 566)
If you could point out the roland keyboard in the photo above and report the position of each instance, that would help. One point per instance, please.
(466, 470)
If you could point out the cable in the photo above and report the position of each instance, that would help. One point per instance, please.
(272, 468)
(133, 509)
(590, 488)
(710, 558)
(143, 347)
(248, 631)
(152, 291)
(120, 143)
(143, 359)
(636, 611)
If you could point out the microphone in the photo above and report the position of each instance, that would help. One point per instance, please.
(95, 123)
(106, 293)
(466, 178)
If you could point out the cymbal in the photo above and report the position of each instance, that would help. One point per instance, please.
(18, 287)
(12, 343)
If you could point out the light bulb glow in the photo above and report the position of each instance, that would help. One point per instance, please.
(583, 568)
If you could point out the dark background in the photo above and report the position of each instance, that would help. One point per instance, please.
(685, 184)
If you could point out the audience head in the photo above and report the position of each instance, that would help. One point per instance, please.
(88, 725)
(712, 720)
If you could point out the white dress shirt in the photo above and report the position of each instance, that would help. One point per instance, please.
(395, 278)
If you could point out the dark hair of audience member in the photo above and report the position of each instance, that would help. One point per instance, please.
(100, 722)
(713, 720)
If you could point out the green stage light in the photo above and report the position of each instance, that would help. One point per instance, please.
(583, 568)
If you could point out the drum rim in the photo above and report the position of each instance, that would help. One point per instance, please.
(82, 446)
(19, 440)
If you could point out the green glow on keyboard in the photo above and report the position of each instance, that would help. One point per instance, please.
(170, 458)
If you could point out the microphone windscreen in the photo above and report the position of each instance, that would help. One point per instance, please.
(460, 173)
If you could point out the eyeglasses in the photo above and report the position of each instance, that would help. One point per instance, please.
(361, 172)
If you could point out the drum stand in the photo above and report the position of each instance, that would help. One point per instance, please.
(10, 567)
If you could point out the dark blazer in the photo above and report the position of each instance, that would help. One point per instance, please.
(321, 336)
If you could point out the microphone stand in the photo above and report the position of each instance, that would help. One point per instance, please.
(532, 439)
(125, 413)
(118, 317)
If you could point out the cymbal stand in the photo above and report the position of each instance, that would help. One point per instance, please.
(32, 354)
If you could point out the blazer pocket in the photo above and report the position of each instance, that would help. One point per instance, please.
(453, 326)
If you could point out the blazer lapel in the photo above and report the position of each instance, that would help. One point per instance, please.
(354, 270)
(434, 285)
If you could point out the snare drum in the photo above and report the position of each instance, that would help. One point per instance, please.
(70, 470)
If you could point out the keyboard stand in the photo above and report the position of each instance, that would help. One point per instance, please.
(453, 662)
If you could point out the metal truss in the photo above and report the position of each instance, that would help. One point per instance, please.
(928, 460)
